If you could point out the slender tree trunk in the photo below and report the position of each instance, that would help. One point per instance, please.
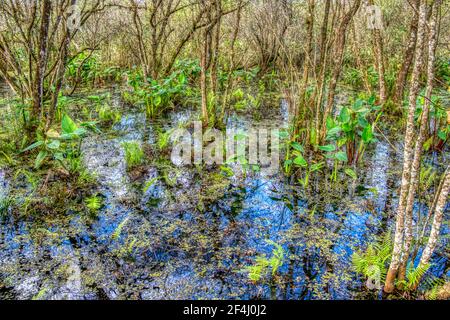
(379, 59)
(308, 60)
(203, 76)
(441, 203)
(337, 60)
(415, 170)
(229, 83)
(407, 57)
(215, 52)
(38, 95)
(321, 68)
(407, 156)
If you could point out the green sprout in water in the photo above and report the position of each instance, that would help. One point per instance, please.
(134, 155)
(94, 203)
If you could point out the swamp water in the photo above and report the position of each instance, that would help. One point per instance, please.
(192, 233)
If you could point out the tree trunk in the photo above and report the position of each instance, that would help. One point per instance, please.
(415, 170)
(379, 59)
(203, 83)
(407, 155)
(322, 66)
(407, 57)
(337, 61)
(308, 60)
(38, 94)
(437, 222)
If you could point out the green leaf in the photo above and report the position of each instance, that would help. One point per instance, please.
(330, 123)
(59, 156)
(341, 156)
(283, 134)
(334, 131)
(442, 135)
(67, 125)
(55, 144)
(351, 173)
(344, 115)
(157, 101)
(367, 134)
(358, 105)
(316, 167)
(34, 146)
(300, 161)
(297, 146)
(328, 148)
(40, 158)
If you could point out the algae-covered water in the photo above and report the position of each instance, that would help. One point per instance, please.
(192, 232)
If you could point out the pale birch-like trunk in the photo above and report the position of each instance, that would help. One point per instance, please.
(415, 170)
(407, 56)
(379, 59)
(408, 155)
(441, 203)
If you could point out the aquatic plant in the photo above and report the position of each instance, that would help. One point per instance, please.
(149, 184)
(94, 203)
(55, 146)
(118, 231)
(373, 263)
(163, 140)
(5, 204)
(109, 115)
(134, 155)
(353, 130)
(264, 265)
(157, 95)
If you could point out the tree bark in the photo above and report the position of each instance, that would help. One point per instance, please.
(407, 156)
(38, 95)
(437, 221)
(337, 61)
(379, 59)
(415, 170)
(407, 57)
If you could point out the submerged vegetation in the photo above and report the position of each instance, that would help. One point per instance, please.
(353, 106)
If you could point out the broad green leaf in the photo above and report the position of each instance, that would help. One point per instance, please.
(367, 134)
(344, 115)
(328, 148)
(59, 156)
(55, 144)
(334, 131)
(341, 156)
(40, 158)
(358, 105)
(157, 101)
(283, 134)
(67, 125)
(330, 123)
(297, 146)
(347, 127)
(300, 161)
(442, 135)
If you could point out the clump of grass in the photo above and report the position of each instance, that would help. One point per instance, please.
(163, 140)
(5, 204)
(109, 115)
(134, 155)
